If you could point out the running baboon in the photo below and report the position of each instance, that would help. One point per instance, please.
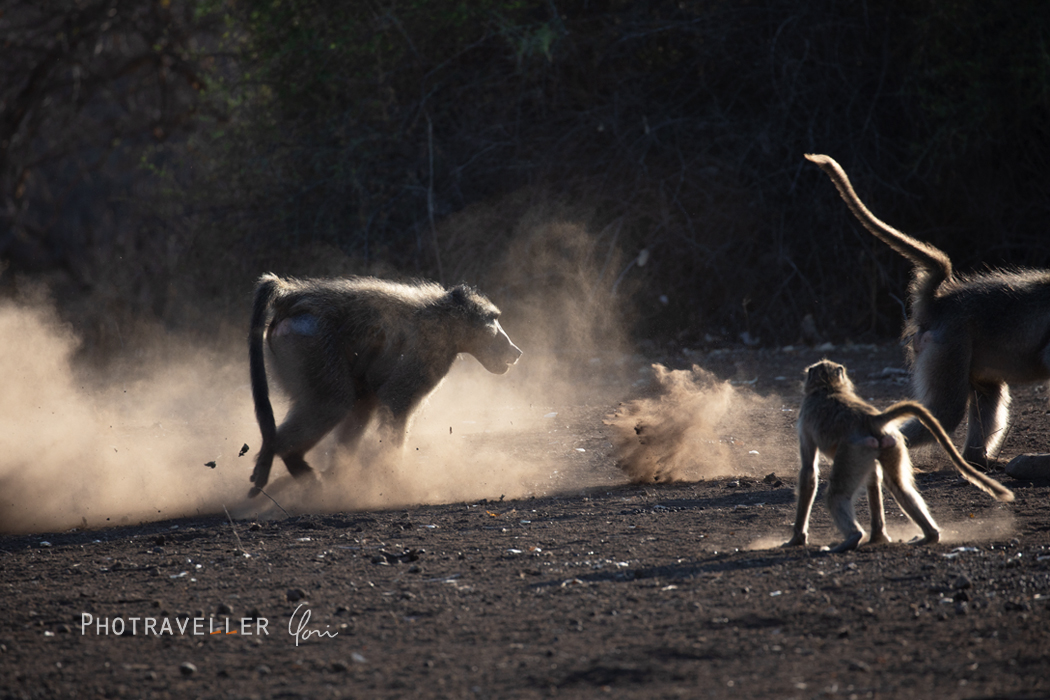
(968, 336)
(854, 434)
(348, 349)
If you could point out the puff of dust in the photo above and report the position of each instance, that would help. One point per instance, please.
(675, 433)
(478, 435)
(79, 451)
(995, 526)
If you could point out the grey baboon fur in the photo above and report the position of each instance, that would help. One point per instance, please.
(854, 435)
(347, 349)
(968, 336)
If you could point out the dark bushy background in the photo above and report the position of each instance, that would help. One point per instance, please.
(156, 157)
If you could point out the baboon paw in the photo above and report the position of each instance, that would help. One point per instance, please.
(927, 539)
(880, 538)
(848, 545)
(254, 491)
(796, 541)
(977, 457)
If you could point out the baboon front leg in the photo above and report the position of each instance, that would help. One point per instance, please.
(350, 430)
(989, 413)
(853, 467)
(941, 380)
(897, 471)
(807, 491)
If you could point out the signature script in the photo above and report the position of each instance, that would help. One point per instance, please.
(300, 631)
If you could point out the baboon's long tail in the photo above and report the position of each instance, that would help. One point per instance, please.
(930, 259)
(265, 292)
(911, 409)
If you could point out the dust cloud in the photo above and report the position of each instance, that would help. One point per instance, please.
(682, 430)
(161, 437)
(82, 449)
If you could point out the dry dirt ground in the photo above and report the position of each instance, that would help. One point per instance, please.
(664, 590)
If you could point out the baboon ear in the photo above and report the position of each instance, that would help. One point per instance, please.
(460, 294)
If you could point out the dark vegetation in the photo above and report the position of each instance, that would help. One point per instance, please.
(155, 157)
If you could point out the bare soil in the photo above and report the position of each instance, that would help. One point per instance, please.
(661, 590)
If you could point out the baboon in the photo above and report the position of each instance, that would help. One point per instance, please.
(854, 435)
(968, 336)
(347, 349)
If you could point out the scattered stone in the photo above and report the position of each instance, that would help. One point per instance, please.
(340, 667)
(187, 669)
(962, 582)
(224, 609)
(1031, 467)
(859, 666)
(295, 594)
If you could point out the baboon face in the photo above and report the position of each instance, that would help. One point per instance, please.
(493, 348)
(826, 374)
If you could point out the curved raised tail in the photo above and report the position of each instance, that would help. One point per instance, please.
(911, 409)
(931, 259)
(266, 290)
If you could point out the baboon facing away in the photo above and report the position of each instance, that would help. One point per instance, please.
(967, 337)
(855, 435)
(348, 349)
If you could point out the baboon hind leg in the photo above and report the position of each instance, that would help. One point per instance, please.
(303, 427)
(897, 471)
(875, 505)
(807, 491)
(263, 465)
(853, 467)
(941, 380)
(989, 413)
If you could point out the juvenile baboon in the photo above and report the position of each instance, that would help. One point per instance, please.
(968, 336)
(854, 435)
(347, 349)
